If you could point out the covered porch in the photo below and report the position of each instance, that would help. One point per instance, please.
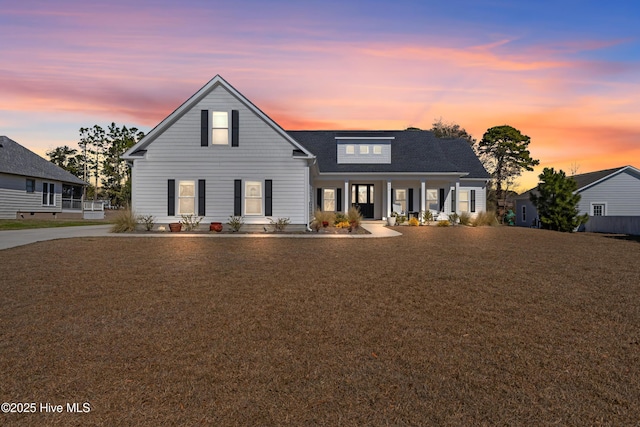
(377, 197)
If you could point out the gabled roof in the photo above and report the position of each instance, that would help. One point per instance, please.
(589, 179)
(18, 160)
(136, 151)
(411, 152)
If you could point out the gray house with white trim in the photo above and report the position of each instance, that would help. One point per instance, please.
(30, 184)
(610, 197)
(219, 155)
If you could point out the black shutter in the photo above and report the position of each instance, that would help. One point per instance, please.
(339, 201)
(410, 201)
(319, 198)
(201, 197)
(268, 199)
(237, 197)
(453, 200)
(473, 200)
(235, 118)
(441, 201)
(171, 197)
(204, 128)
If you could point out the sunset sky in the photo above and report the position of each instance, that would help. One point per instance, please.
(566, 73)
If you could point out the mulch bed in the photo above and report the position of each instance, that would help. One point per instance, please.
(442, 326)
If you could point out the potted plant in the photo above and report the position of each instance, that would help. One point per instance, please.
(215, 226)
(391, 220)
(175, 226)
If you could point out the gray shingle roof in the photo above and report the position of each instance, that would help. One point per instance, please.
(583, 180)
(17, 160)
(411, 151)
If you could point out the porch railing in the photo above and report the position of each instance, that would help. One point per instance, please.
(72, 204)
(93, 206)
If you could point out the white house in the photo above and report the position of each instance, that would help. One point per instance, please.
(219, 155)
(610, 197)
(30, 184)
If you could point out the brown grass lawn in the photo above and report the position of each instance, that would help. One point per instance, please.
(443, 326)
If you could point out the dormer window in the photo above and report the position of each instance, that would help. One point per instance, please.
(364, 149)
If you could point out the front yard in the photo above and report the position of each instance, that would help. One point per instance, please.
(442, 326)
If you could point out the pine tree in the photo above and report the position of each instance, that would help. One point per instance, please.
(557, 202)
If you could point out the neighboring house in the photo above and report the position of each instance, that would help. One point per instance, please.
(218, 155)
(610, 197)
(30, 184)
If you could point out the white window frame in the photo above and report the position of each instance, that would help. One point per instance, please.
(250, 196)
(464, 194)
(350, 149)
(401, 202)
(49, 196)
(334, 199)
(219, 125)
(599, 204)
(433, 201)
(185, 197)
(364, 149)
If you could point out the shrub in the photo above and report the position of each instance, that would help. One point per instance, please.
(443, 223)
(190, 222)
(414, 222)
(343, 224)
(454, 218)
(325, 216)
(485, 218)
(280, 224)
(465, 218)
(125, 221)
(427, 217)
(400, 219)
(340, 217)
(235, 222)
(354, 216)
(148, 221)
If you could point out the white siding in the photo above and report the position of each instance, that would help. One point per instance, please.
(14, 197)
(621, 193)
(262, 154)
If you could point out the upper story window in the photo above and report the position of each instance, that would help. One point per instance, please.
(220, 128)
(363, 150)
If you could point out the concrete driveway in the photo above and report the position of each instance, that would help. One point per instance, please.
(13, 238)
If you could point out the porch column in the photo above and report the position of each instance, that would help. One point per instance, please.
(457, 197)
(389, 202)
(346, 200)
(423, 196)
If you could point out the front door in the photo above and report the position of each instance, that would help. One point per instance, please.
(362, 197)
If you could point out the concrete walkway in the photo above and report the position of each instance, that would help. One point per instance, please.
(13, 238)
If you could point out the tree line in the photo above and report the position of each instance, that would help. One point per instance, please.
(98, 161)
